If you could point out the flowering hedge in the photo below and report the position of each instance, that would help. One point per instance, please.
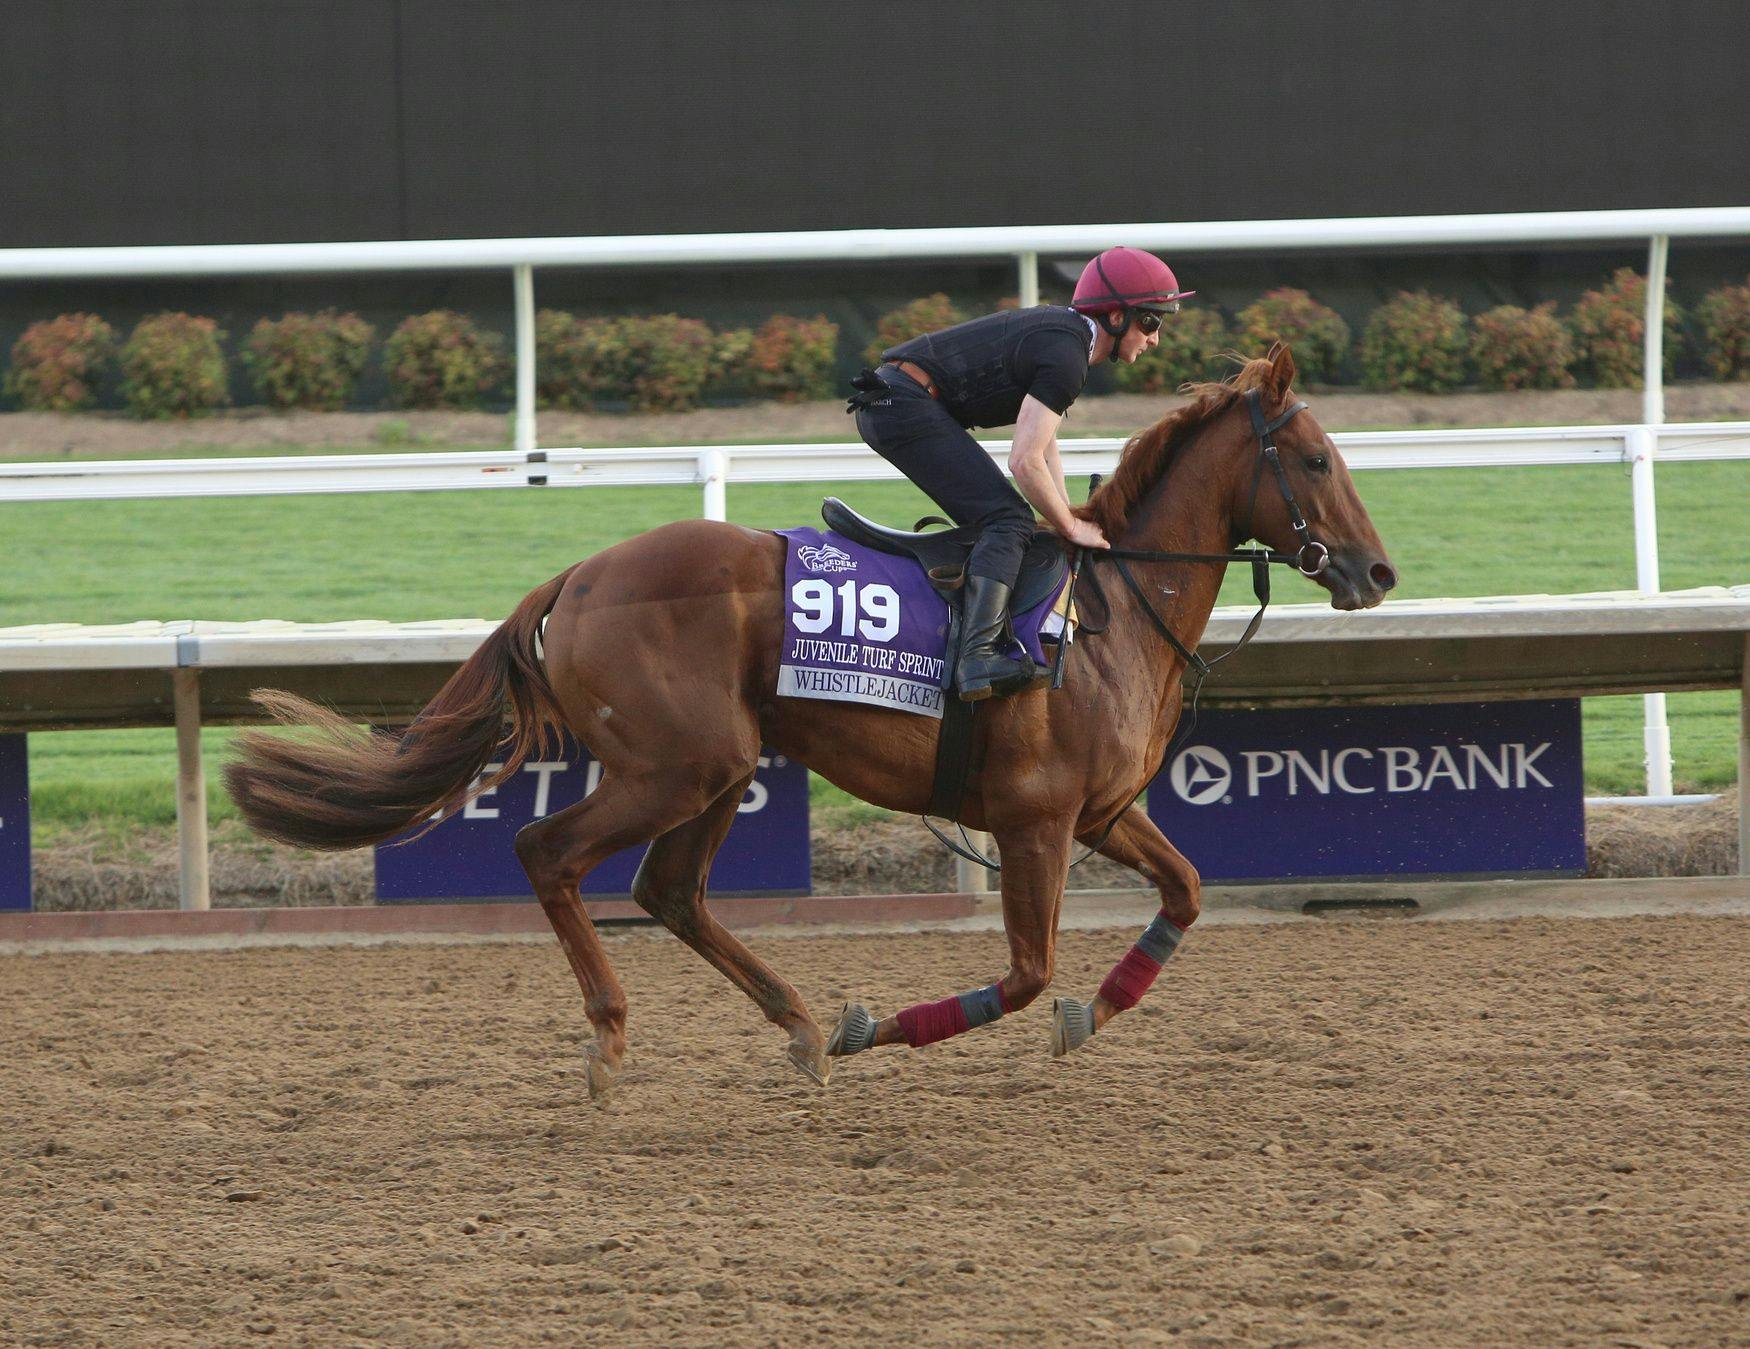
(57, 363)
(1415, 341)
(1725, 324)
(1190, 349)
(174, 366)
(1317, 333)
(310, 361)
(442, 360)
(1514, 348)
(792, 358)
(1609, 327)
(928, 315)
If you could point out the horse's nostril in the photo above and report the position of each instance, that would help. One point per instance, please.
(1382, 575)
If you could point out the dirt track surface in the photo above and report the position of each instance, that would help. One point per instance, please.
(1529, 1132)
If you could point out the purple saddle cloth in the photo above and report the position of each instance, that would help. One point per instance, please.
(862, 626)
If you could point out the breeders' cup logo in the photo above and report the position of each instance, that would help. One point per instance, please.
(825, 558)
(1201, 775)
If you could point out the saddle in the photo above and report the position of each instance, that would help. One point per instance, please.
(942, 553)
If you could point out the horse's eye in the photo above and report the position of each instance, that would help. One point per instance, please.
(1318, 463)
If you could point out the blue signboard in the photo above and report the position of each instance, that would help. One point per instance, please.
(1452, 789)
(470, 855)
(14, 824)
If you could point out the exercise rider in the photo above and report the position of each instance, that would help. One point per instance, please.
(1023, 367)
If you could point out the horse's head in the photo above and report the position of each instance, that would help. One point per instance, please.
(1154, 502)
(1357, 572)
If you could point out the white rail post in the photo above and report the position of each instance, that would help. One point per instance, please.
(525, 358)
(714, 473)
(1744, 765)
(1653, 370)
(969, 877)
(1029, 276)
(1657, 731)
(191, 793)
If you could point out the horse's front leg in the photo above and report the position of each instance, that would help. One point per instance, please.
(1035, 867)
(1139, 845)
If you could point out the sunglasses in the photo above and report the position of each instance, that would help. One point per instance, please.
(1148, 321)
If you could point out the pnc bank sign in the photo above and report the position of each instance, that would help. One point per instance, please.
(1449, 789)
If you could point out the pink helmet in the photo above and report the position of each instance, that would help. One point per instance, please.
(1122, 278)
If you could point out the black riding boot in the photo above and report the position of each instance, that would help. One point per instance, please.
(982, 670)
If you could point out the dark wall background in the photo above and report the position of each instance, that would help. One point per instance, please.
(226, 121)
(229, 121)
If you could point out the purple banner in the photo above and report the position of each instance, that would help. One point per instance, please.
(862, 626)
(14, 823)
(1450, 789)
(471, 855)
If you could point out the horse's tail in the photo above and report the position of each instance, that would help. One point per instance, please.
(344, 788)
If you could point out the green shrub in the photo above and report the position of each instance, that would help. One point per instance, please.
(928, 315)
(659, 363)
(1725, 323)
(57, 363)
(1514, 348)
(730, 352)
(442, 360)
(174, 366)
(1317, 333)
(1415, 341)
(1609, 327)
(792, 358)
(308, 360)
(1190, 349)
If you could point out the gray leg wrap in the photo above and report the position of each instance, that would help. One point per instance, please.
(982, 1006)
(854, 1033)
(1072, 1025)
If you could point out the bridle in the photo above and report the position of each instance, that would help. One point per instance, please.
(1310, 559)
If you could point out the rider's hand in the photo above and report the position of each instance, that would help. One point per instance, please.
(1085, 534)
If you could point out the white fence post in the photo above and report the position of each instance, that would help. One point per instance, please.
(1744, 765)
(191, 792)
(1657, 731)
(525, 357)
(714, 473)
(1653, 370)
(1029, 277)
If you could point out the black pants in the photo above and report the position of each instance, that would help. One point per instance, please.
(914, 433)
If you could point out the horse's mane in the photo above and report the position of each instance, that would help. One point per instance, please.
(1149, 454)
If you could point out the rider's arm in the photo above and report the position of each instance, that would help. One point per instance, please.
(1038, 472)
(1034, 463)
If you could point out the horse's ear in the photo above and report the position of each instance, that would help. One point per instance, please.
(1281, 369)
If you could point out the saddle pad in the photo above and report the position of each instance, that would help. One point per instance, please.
(862, 626)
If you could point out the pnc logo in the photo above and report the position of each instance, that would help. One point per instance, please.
(1201, 775)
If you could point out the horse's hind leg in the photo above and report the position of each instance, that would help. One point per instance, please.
(558, 851)
(671, 887)
(1138, 844)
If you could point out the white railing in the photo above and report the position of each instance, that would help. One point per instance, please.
(714, 467)
(1024, 243)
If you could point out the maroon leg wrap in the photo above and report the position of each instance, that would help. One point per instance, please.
(928, 1022)
(1130, 979)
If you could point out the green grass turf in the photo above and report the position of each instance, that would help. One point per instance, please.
(409, 556)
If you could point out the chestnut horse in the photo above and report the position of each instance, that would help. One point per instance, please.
(661, 655)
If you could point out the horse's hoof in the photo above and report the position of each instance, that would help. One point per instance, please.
(598, 1072)
(811, 1059)
(1072, 1025)
(854, 1033)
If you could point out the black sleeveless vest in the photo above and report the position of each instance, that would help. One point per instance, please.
(973, 363)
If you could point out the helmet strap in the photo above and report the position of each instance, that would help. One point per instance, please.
(1115, 326)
